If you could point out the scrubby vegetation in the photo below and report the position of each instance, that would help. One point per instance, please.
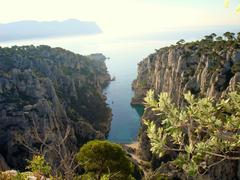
(216, 48)
(212, 45)
(202, 134)
(39, 165)
(199, 135)
(100, 160)
(53, 103)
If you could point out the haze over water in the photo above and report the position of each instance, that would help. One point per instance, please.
(124, 54)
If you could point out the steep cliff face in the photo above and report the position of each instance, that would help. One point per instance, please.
(180, 69)
(206, 68)
(50, 98)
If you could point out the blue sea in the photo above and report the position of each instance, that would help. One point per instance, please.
(124, 53)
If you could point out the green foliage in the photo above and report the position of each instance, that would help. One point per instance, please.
(102, 157)
(229, 36)
(90, 176)
(105, 177)
(212, 45)
(219, 38)
(210, 37)
(201, 131)
(238, 36)
(39, 165)
(21, 176)
(181, 41)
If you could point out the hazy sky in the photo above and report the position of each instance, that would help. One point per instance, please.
(125, 16)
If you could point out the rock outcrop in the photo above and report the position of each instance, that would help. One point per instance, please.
(50, 100)
(3, 164)
(206, 68)
(177, 70)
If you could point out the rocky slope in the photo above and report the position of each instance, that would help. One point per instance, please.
(51, 102)
(206, 68)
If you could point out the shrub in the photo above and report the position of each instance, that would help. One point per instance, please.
(198, 133)
(39, 165)
(102, 157)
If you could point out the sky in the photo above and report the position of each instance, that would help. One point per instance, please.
(125, 16)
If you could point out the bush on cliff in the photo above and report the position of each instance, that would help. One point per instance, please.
(105, 159)
(39, 165)
(202, 134)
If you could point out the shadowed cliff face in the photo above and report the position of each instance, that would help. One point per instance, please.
(51, 93)
(204, 68)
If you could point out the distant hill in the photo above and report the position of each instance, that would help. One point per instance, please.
(34, 29)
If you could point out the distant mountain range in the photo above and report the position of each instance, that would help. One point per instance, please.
(34, 29)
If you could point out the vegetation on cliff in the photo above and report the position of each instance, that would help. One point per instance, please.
(100, 160)
(193, 127)
(51, 103)
(206, 67)
(202, 134)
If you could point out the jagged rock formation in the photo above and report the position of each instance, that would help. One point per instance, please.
(50, 98)
(206, 68)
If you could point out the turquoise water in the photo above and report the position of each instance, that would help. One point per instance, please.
(126, 118)
(124, 53)
(125, 122)
(124, 56)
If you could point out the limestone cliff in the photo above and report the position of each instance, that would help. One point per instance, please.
(50, 98)
(206, 68)
(179, 69)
